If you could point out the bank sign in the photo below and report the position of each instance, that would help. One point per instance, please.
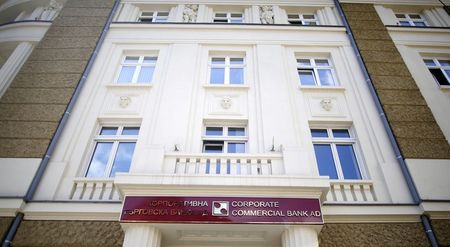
(221, 210)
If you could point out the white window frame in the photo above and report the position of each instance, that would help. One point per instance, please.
(410, 20)
(137, 71)
(313, 67)
(227, 66)
(438, 66)
(225, 137)
(300, 18)
(155, 16)
(116, 140)
(228, 17)
(334, 141)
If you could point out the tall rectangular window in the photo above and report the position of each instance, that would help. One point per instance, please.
(303, 19)
(315, 72)
(227, 17)
(154, 16)
(137, 69)
(440, 69)
(226, 70)
(224, 139)
(335, 153)
(113, 151)
(411, 20)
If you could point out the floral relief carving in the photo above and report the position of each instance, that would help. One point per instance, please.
(190, 13)
(266, 14)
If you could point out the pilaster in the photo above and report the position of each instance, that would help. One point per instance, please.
(141, 235)
(300, 236)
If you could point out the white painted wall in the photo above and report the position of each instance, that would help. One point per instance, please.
(431, 178)
(16, 175)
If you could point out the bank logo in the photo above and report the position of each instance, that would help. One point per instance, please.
(220, 208)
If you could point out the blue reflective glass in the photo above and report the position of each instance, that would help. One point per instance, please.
(341, 134)
(214, 131)
(218, 166)
(236, 76)
(306, 77)
(99, 159)
(130, 131)
(217, 76)
(123, 158)
(319, 133)
(419, 24)
(126, 74)
(146, 74)
(326, 78)
(236, 147)
(108, 131)
(324, 158)
(405, 23)
(236, 131)
(348, 161)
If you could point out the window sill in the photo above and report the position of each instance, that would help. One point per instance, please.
(129, 85)
(227, 86)
(321, 88)
(445, 88)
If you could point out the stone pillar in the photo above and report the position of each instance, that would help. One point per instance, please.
(13, 64)
(295, 236)
(141, 235)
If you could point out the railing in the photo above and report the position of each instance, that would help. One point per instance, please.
(94, 189)
(351, 191)
(229, 164)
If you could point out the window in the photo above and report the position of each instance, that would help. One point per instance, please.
(315, 72)
(113, 151)
(226, 70)
(303, 19)
(228, 18)
(224, 139)
(410, 20)
(335, 153)
(137, 69)
(156, 16)
(440, 69)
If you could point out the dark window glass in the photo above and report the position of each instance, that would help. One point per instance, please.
(214, 131)
(236, 131)
(319, 133)
(123, 158)
(306, 77)
(439, 76)
(341, 134)
(348, 161)
(108, 131)
(213, 146)
(236, 147)
(130, 131)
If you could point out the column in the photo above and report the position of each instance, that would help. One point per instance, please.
(296, 236)
(141, 235)
(12, 66)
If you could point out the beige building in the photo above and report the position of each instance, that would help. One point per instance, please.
(224, 123)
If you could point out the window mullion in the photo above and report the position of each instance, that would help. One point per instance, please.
(111, 158)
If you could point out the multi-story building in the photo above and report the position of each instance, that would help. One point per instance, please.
(224, 123)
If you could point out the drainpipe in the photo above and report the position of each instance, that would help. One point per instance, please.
(51, 148)
(406, 174)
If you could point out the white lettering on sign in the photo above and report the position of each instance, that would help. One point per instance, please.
(256, 204)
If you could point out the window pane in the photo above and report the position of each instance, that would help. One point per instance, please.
(99, 159)
(400, 15)
(236, 131)
(126, 74)
(414, 16)
(236, 61)
(348, 161)
(324, 158)
(218, 60)
(123, 158)
(444, 62)
(341, 134)
(236, 147)
(161, 19)
(311, 23)
(146, 74)
(319, 133)
(236, 15)
(322, 62)
(236, 21)
(131, 59)
(150, 59)
(213, 146)
(429, 62)
(326, 78)
(306, 77)
(303, 62)
(404, 23)
(147, 14)
(163, 13)
(236, 76)
(224, 15)
(308, 17)
(108, 131)
(419, 24)
(214, 131)
(130, 131)
(293, 16)
(439, 76)
(448, 74)
(217, 75)
(221, 20)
